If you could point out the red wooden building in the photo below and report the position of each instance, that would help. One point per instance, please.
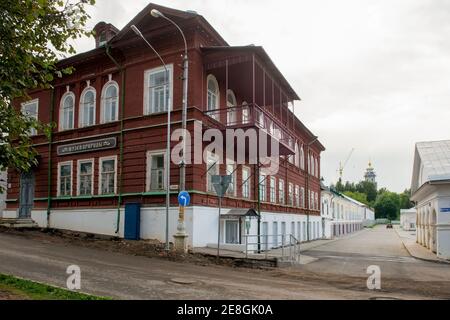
(108, 146)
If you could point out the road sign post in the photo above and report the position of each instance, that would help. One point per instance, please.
(183, 200)
(221, 184)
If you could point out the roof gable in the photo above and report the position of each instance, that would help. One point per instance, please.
(431, 163)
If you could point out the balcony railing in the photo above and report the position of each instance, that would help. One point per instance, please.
(252, 115)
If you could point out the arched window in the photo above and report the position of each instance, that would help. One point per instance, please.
(213, 95)
(311, 161)
(231, 103)
(316, 166)
(87, 107)
(66, 110)
(110, 102)
(302, 158)
(297, 155)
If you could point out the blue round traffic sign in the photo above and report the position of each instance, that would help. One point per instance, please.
(184, 198)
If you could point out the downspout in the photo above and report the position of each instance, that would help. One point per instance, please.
(49, 170)
(122, 109)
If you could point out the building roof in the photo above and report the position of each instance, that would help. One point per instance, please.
(431, 163)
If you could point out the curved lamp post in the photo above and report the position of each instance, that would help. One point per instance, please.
(139, 33)
(180, 237)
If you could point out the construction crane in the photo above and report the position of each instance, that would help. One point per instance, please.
(342, 166)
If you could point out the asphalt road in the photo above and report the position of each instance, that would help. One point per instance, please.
(339, 272)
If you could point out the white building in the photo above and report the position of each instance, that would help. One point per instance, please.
(408, 219)
(430, 189)
(341, 214)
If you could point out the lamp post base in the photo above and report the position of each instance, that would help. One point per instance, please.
(180, 242)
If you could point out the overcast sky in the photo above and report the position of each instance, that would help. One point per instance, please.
(372, 75)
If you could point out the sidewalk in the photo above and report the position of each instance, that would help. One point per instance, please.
(273, 254)
(414, 249)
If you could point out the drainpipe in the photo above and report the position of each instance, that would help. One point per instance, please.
(49, 170)
(122, 108)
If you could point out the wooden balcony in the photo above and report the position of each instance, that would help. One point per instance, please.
(252, 116)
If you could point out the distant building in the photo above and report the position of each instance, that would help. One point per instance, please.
(341, 214)
(430, 190)
(370, 174)
(408, 219)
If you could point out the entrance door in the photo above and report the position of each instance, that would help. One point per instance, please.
(232, 231)
(265, 237)
(26, 194)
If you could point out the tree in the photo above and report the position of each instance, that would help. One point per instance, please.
(405, 202)
(358, 196)
(387, 205)
(369, 188)
(34, 36)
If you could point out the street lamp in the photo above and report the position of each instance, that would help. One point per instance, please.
(139, 33)
(180, 237)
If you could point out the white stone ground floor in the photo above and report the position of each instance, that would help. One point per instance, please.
(201, 225)
(433, 224)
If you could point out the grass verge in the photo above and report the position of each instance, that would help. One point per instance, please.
(13, 288)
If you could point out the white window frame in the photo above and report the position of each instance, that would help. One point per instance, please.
(291, 194)
(103, 101)
(302, 197)
(297, 195)
(233, 178)
(147, 74)
(248, 182)
(214, 159)
(302, 158)
(60, 164)
(217, 94)
(33, 131)
(281, 191)
(79, 163)
(262, 181)
(148, 179)
(273, 189)
(82, 105)
(100, 161)
(231, 114)
(61, 126)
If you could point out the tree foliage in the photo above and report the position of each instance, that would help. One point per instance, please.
(387, 204)
(34, 35)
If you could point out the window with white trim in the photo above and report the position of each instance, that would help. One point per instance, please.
(30, 110)
(231, 104)
(302, 197)
(316, 198)
(158, 90)
(212, 167)
(87, 107)
(273, 195)
(281, 197)
(85, 177)
(156, 170)
(291, 194)
(302, 158)
(316, 166)
(230, 170)
(66, 111)
(245, 182)
(297, 196)
(65, 179)
(107, 175)
(110, 102)
(262, 186)
(213, 95)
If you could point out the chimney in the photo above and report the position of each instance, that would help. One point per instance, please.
(103, 33)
